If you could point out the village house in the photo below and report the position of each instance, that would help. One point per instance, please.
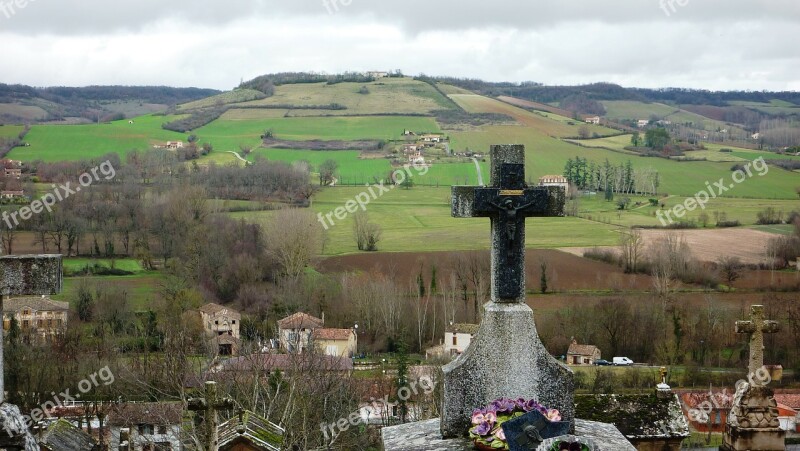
(147, 426)
(249, 432)
(408, 133)
(174, 145)
(431, 138)
(554, 180)
(15, 173)
(294, 331)
(38, 315)
(222, 325)
(220, 320)
(12, 194)
(336, 342)
(578, 354)
(642, 123)
(376, 74)
(790, 402)
(457, 338)
(709, 410)
(595, 120)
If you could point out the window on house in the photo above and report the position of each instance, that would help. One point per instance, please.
(146, 429)
(455, 340)
(216, 322)
(162, 429)
(25, 324)
(26, 312)
(233, 322)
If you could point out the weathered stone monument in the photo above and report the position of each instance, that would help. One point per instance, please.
(753, 421)
(506, 358)
(23, 275)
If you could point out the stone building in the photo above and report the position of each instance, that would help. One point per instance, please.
(579, 354)
(36, 315)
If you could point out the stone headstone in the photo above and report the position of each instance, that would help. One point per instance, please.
(506, 358)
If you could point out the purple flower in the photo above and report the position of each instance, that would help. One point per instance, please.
(499, 434)
(478, 417)
(531, 405)
(482, 429)
(504, 405)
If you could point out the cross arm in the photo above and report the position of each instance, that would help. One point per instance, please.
(770, 327)
(745, 327)
(474, 202)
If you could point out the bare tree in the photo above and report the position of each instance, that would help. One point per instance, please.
(631, 245)
(294, 238)
(367, 234)
(731, 268)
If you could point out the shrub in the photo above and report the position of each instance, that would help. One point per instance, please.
(726, 223)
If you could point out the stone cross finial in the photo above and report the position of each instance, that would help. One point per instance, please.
(209, 406)
(27, 275)
(663, 372)
(508, 201)
(756, 327)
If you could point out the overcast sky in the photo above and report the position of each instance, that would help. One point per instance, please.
(710, 44)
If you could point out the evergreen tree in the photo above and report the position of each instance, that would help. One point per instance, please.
(402, 378)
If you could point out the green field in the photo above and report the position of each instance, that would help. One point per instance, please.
(230, 134)
(10, 131)
(76, 264)
(75, 142)
(235, 96)
(141, 289)
(387, 95)
(633, 110)
(419, 220)
(547, 155)
(775, 106)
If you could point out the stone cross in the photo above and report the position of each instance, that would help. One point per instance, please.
(756, 327)
(27, 275)
(508, 201)
(506, 359)
(209, 406)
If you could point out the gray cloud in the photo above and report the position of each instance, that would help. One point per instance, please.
(714, 44)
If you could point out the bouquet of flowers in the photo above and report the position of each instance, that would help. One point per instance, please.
(487, 431)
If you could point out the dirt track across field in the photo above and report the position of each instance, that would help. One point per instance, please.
(709, 245)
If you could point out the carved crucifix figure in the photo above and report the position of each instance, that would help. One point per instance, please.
(756, 327)
(508, 201)
(209, 405)
(27, 275)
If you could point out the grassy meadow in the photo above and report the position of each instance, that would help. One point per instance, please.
(74, 142)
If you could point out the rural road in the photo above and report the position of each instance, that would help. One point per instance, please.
(480, 175)
(239, 157)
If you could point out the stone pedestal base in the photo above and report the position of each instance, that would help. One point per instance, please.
(506, 359)
(425, 436)
(744, 439)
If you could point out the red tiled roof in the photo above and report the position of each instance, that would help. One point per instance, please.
(791, 400)
(300, 320)
(287, 363)
(211, 309)
(721, 399)
(332, 334)
(158, 413)
(577, 349)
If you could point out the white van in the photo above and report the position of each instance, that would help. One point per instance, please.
(622, 361)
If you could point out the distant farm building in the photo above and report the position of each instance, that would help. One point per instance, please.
(13, 173)
(174, 145)
(579, 354)
(458, 337)
(554, 180)
(12, 194)
(593, 120)
(336, 342)
(377, 74)
(642, 123)
(41, 316)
